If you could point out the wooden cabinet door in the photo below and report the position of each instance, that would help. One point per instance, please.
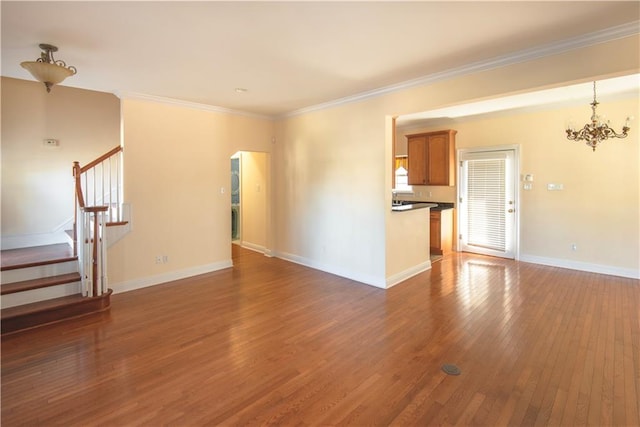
(431, 158)
(417, 159)
(435, 233)
(438, 160)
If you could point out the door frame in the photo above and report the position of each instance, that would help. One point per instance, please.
(516, 189)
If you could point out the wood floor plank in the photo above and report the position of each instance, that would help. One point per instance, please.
(271, 342)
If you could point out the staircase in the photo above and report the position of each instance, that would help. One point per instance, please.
(47, 284)
(41, 285)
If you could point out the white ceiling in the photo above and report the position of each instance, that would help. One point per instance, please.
(288, 55)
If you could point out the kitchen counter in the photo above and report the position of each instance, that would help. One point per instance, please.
(413, 206)
(435, 206)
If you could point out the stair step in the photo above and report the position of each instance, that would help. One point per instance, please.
(13, 259)
(39, 263)
(51, 311)
(44, 282)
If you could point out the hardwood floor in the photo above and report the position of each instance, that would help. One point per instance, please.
(271, 342)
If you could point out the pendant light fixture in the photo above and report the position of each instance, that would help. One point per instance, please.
(597, 130)
(48, 70)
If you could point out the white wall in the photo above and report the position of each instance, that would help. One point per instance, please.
(37, 184)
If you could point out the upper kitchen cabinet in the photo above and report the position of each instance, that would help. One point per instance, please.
(431, 158)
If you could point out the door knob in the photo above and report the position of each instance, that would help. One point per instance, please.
(510, 211)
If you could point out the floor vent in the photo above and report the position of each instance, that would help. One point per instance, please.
(451, 369)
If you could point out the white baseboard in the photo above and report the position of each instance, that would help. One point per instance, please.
(358, 277)
(257, 248)
(408, 273)
(253, 247)
(582, 266)
(160, 279)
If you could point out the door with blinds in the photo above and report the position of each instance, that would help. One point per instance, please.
(487, 202)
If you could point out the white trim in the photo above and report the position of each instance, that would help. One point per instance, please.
(602, 36)
(40, 294)
(351, 275)
(188, 104)
(253, 247)
(57, 235)
(408, 273)
(582, 266)
(171, 276)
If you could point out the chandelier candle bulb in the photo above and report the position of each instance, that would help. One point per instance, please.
(598, 130)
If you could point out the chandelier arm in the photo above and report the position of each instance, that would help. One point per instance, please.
(595, 132)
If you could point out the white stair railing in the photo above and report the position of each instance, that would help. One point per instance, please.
(92, 255)
(98, 201)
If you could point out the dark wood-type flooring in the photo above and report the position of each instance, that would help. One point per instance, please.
(12, 258)
(271, 342)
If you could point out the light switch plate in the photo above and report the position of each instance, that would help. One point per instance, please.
(50, 142)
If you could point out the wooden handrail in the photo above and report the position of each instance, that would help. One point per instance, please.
(101, 159)
(77, 170)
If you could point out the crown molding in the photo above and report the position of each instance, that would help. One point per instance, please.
(188, 104)
(590, 39)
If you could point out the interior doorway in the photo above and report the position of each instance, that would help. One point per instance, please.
(488, 201)
(235, 198)
(250, 200)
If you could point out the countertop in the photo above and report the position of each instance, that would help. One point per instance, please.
(435, 206)
(413, 206)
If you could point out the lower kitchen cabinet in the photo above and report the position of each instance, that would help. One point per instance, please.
(441, 229)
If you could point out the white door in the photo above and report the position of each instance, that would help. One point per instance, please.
(487, 202)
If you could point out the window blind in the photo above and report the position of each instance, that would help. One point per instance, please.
(486, 203)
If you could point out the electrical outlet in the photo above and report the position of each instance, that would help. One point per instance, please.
(165, 259)
(159, 259)
(574, 247)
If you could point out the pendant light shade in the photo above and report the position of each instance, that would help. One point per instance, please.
(48, 70)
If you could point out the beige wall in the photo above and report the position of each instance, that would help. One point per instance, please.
(37, 186)
(598, 210)
(254, 203)
(329, 202)
(177, 179)
(334, 172)
(331, 177)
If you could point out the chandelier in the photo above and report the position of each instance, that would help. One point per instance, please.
(597, 131)
(48, 70)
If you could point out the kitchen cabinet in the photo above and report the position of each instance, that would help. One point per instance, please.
(441, 231)
(431, 158)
